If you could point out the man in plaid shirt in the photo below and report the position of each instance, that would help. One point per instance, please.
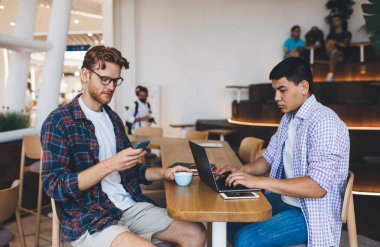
(90, 167)
(307, 159)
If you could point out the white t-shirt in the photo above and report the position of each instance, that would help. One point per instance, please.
(288, 156)
(142, 111)
(104, 132)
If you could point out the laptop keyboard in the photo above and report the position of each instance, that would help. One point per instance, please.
(221, 184)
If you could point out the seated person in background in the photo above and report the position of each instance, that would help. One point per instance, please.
(293, 46)
(307, 158)
(139, 114)
(337, 42)
(91, 168)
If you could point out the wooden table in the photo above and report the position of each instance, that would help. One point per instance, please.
(199, 203)
(182, 126)
(155, 142)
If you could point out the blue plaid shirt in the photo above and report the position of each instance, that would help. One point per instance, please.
(321, 152)
(69, 147)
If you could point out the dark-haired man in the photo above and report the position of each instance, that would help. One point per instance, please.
(337, 42)
(307, 159)
(140, 113)
(90, 167)
(293, 46)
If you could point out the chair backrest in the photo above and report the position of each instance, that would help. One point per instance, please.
(197, 135)
(8, 199)
(249, 147)
(347, 196)
(260, 153)
(32, 147)
(149, 131)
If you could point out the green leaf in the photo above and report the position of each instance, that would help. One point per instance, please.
(372, 22)
(371, 9)
(375, 41)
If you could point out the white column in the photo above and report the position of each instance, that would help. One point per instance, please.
(53, 65)
(219, 234)
(3, 74)
(19, 61)
(124, 40)
(107, 24)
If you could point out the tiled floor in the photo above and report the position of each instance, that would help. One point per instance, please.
(29, 226)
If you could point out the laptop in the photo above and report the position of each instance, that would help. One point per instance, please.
(206, 175)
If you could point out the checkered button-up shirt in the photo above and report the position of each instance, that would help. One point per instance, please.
(321, 152)
(69, 147)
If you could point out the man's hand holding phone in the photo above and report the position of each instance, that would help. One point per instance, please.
(126, 159)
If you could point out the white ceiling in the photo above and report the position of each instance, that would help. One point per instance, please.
(88, 12)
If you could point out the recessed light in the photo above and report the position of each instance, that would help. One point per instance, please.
(42, 5)
(12, 23)
(96, 42)
(89, 34)
(102, 41)
(2, 6)
(76, 73)
(76, 21)
(47, 6)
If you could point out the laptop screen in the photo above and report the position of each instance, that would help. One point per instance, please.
(203, 165)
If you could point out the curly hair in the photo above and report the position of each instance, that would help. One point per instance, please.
(98, 55)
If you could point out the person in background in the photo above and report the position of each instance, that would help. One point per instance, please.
(337, 42)
(28, 98)
(91, 169)
(294, 45)
(307, 160)
(140, 113)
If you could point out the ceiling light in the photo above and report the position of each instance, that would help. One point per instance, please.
(76, 73)
(42, 5)
(89, 34)
(76, 21)
(96, 42)
(2, 6)
(12, 23)
(47, 6)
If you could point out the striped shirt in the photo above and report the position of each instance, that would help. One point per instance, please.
(321, 152)
(70, 146)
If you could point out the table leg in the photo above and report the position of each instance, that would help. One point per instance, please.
(219, 234)
(182, 133)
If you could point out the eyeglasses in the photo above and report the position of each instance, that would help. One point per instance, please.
(105, 80)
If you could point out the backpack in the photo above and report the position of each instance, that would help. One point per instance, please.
(314, 37)
(129, 124)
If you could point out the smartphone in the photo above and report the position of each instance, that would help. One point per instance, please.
(143, 144)
(239, 195)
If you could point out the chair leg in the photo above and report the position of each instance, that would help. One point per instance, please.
(55, 233)
(38, 216)
(351, 224)
(20, 229)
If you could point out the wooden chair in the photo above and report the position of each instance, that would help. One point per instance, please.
(197, 135)
(56, 225)
(348, 212)
(249, 147)
(8, 206)
(31, 149)
(149, 131)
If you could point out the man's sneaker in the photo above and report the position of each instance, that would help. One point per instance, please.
(329, 76)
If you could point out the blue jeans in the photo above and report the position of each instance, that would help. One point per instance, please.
(287, 227)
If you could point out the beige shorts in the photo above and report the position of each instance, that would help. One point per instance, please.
(144, 219)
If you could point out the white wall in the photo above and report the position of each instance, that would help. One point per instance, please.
(194, 48)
